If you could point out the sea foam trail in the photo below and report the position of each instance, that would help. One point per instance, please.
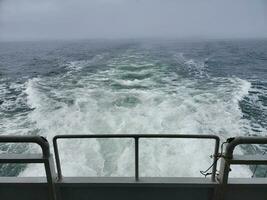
(78, 103)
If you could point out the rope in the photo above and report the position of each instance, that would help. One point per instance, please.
(220, 155)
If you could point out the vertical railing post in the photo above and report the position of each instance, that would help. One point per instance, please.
(224, 171)
(51, 177)
(220, 190)
(136, 143)
(215, 159)
(49, 170)
(59, 172)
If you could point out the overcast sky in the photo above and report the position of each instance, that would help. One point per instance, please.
(70, 19)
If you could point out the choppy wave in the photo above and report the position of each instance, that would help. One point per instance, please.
(133, 91)
(181, 106)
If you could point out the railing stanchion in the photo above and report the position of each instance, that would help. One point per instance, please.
(215, 159)
(58, 166)
(136, 143)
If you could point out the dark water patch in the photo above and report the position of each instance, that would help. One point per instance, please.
(128, 101)
(136, 68)
(118, 86)
(254, 108)
(12, 169)
(135, 76)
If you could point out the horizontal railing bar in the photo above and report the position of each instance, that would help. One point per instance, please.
(248, 159)
(138, 136)
(243, 140)
(41, 141)
(21, 158)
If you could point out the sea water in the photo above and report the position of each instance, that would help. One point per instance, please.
(132, 87)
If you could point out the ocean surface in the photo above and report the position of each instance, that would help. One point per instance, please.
(129, 87)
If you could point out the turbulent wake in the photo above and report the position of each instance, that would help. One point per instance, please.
(131, 90)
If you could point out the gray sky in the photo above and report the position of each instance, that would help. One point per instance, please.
(70, 19)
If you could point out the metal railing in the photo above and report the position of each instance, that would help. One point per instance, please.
(45, 158)
(136, 138)
(228, 158)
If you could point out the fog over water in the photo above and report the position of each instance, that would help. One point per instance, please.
(133, 84)
(81, 19)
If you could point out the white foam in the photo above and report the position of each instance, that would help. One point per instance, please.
(17, 123)
(93, 110)
(92, 106)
